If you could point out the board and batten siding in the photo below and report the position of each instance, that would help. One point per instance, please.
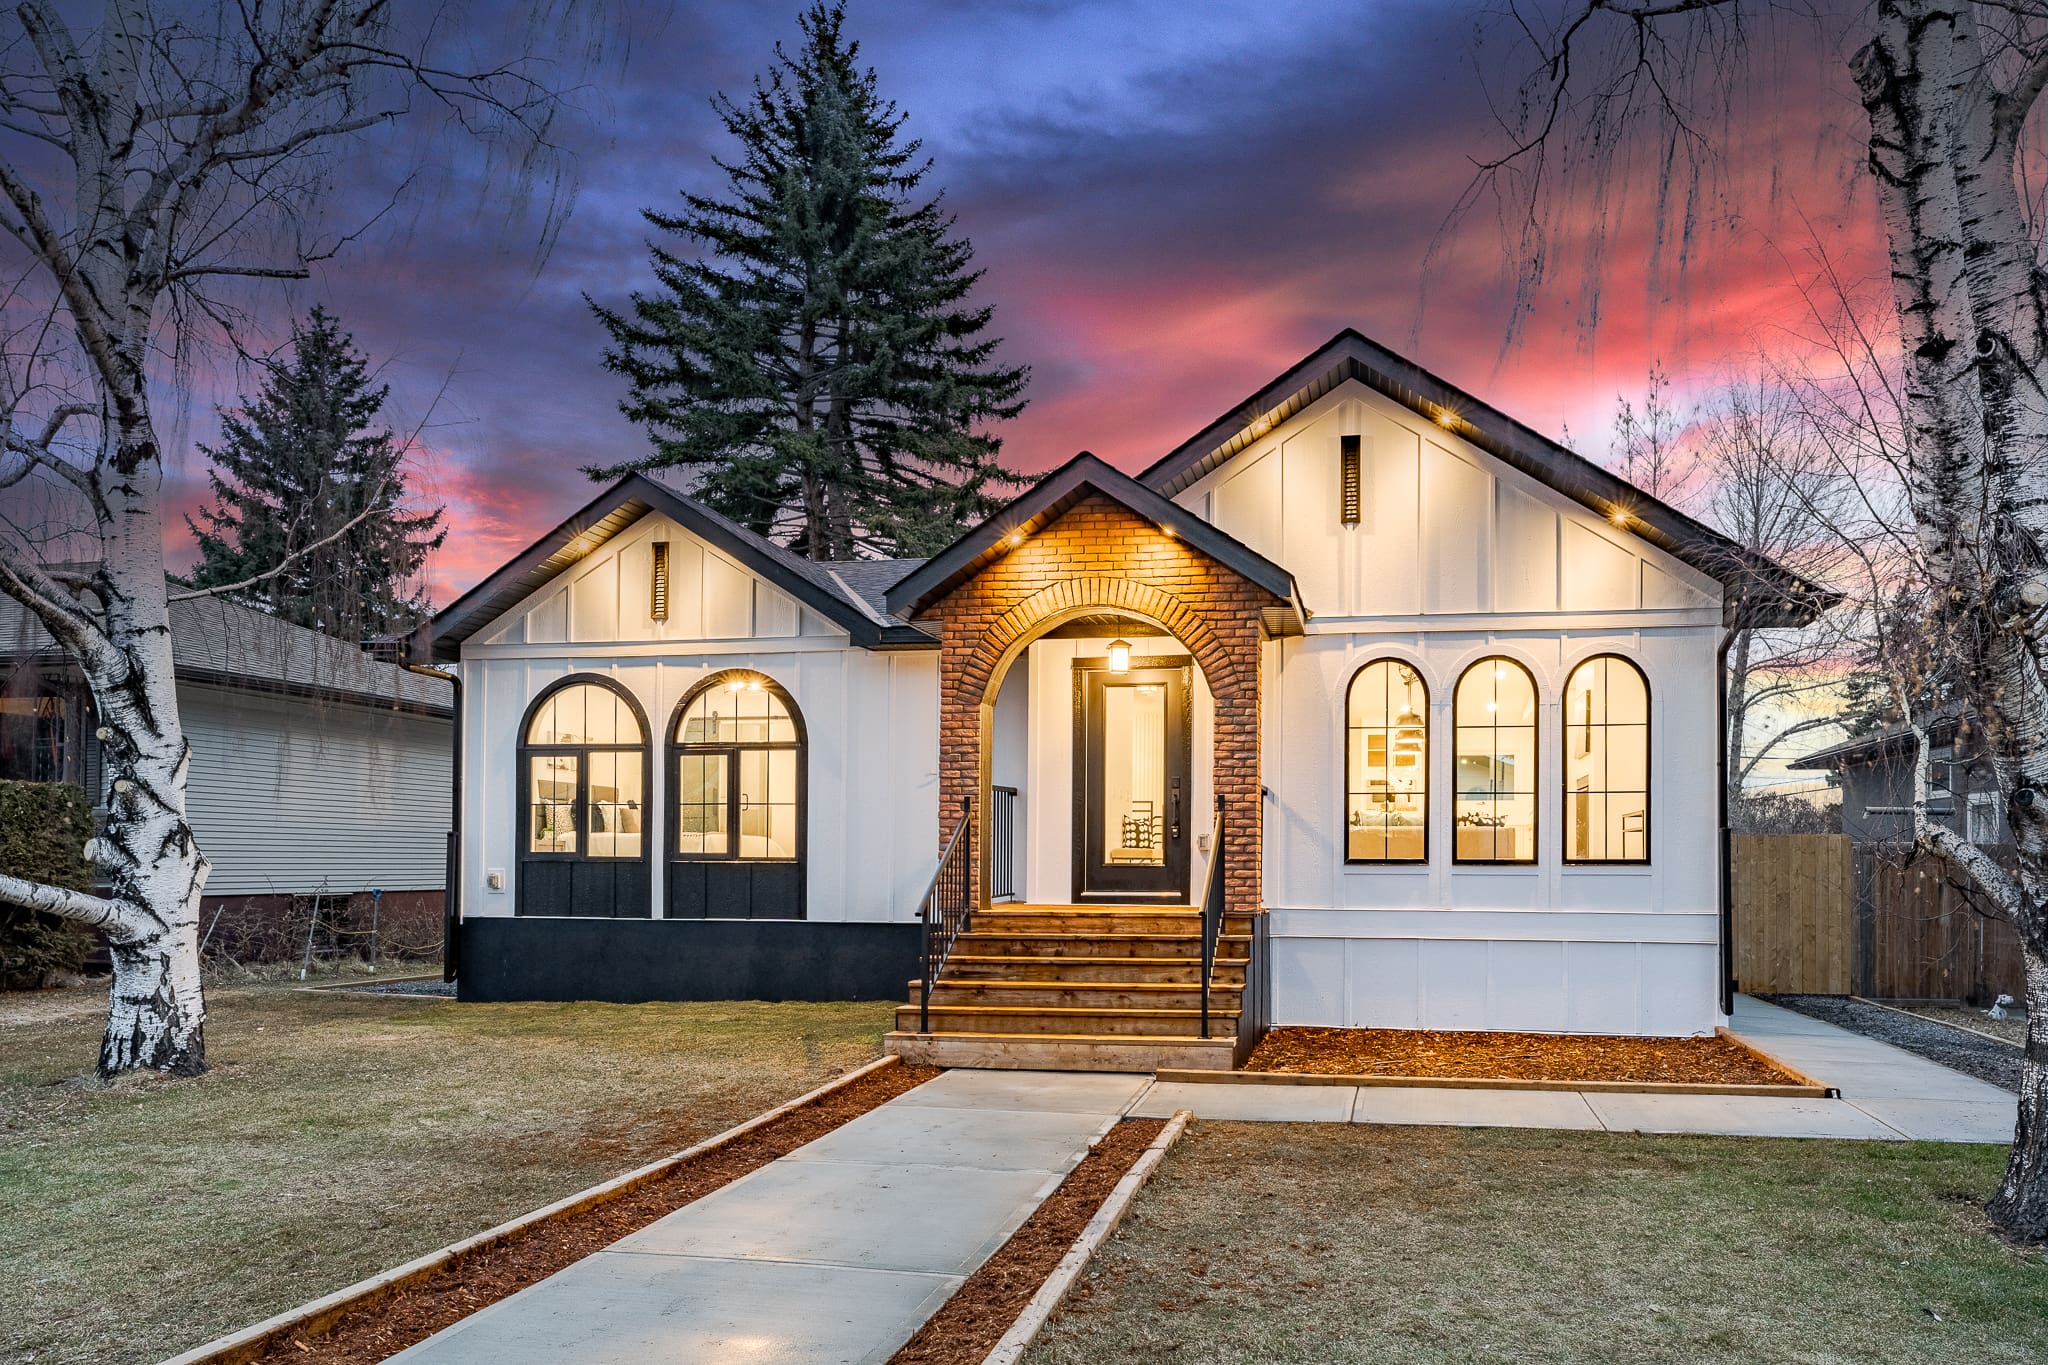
(1457, 557)
(292, 795)
(871, 717)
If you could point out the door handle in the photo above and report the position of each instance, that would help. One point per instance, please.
(1173, 819)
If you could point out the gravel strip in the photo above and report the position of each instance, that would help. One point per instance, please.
(1984, 1058)
(443, 990)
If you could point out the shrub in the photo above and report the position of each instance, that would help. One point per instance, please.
(43, 829)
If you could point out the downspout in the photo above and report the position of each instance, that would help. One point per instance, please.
(1721, 807)
(451, 897)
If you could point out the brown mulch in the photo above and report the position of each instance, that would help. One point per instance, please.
(1512, 1056)
(414, 1312)
(984, 1307)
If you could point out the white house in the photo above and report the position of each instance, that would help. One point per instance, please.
(1366, 706)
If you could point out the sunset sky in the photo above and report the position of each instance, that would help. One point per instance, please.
(1172, 203)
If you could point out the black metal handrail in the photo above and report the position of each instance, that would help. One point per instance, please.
(1212, 910)
(1002, 843)
(946, 907)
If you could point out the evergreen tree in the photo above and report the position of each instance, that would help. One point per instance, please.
(297, 465)
(811, 352)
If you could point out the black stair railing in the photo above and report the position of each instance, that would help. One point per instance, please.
(1002, 843)
(947, 907)
(1212, 910)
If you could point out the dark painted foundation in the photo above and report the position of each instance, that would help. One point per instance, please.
(631, 961)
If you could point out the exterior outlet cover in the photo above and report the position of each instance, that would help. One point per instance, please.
(495, 879)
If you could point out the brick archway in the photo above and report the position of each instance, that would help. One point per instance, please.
(1101, 556)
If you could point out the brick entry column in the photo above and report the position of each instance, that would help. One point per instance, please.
(1099, 555)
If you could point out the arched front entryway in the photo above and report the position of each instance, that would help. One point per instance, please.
(1100, 560)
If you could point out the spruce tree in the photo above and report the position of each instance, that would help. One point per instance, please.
(298, 463)
(811, 353)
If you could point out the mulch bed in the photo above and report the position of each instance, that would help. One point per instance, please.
(416, 1311)
(1556, 1057)
(987, 1304)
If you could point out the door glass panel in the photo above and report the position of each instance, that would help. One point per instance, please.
(701, 813)
(767, 803)
(1134, 774)
(551, 803)
(616, 801)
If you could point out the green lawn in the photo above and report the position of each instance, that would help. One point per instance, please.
(1300, 1243)
(338, 1135)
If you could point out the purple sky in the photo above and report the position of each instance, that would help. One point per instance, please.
(1172, 204)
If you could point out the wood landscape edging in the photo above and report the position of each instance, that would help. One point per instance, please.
(1050, 1294)
(1945, 1023)
(250, 1342)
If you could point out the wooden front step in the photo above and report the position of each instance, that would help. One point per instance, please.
(1185, 969)
(979, 944)
(1081, 994)
(1062, 1052)
(1055, 1019)
(1043, 919)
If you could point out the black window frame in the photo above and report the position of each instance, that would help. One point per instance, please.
(677, 749)
(1564, 732)
(1535, 789)
(1428, 760)
(528, 751)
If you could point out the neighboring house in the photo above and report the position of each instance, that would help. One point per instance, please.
(1447, 690)
(1875, 773)
(316, 769)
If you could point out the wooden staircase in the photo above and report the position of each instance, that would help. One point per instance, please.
(1081, 988)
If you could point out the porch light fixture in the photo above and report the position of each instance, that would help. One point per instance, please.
(1119, 656)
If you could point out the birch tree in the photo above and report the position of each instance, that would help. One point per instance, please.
(161, 166)
(1947, 91)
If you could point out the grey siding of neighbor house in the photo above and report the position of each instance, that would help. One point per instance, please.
(298, 795)
(1872, 792)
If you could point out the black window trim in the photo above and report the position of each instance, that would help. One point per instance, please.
(677, 749)
(1428, 762)
(528, 751)
(1536, 766)
(1564, 726)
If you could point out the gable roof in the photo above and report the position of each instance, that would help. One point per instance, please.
(824, 588)
(1045, 501)
(1764, 592)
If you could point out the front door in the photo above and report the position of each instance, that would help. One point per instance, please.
(1132, 796)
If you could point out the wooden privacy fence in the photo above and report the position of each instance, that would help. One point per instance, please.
(1921, 936)
(1792, 895)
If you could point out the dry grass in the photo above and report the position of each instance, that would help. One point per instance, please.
(2012, 1028)
(338, 1135)
(1299, 1243)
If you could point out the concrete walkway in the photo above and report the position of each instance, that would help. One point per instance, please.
(837, 1252)
(1887, 1093)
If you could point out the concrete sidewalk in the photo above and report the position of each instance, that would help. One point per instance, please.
(1887, 1093)
(837, 1252)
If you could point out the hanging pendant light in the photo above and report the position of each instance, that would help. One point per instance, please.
(1119, 656)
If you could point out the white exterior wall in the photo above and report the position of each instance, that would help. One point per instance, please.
(293, 795)
(871, 718)
(1458, 557)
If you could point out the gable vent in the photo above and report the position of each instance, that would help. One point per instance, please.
(1348, 475)
(657, 591)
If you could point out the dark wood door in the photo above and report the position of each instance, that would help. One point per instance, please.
(1132, 793)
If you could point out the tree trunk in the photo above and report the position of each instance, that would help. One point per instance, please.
(2020, 1207)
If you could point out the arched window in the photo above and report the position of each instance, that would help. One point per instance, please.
(1494, 737)
(1386, 765)
(583, 788)
(736, 767)
(1606, 762)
